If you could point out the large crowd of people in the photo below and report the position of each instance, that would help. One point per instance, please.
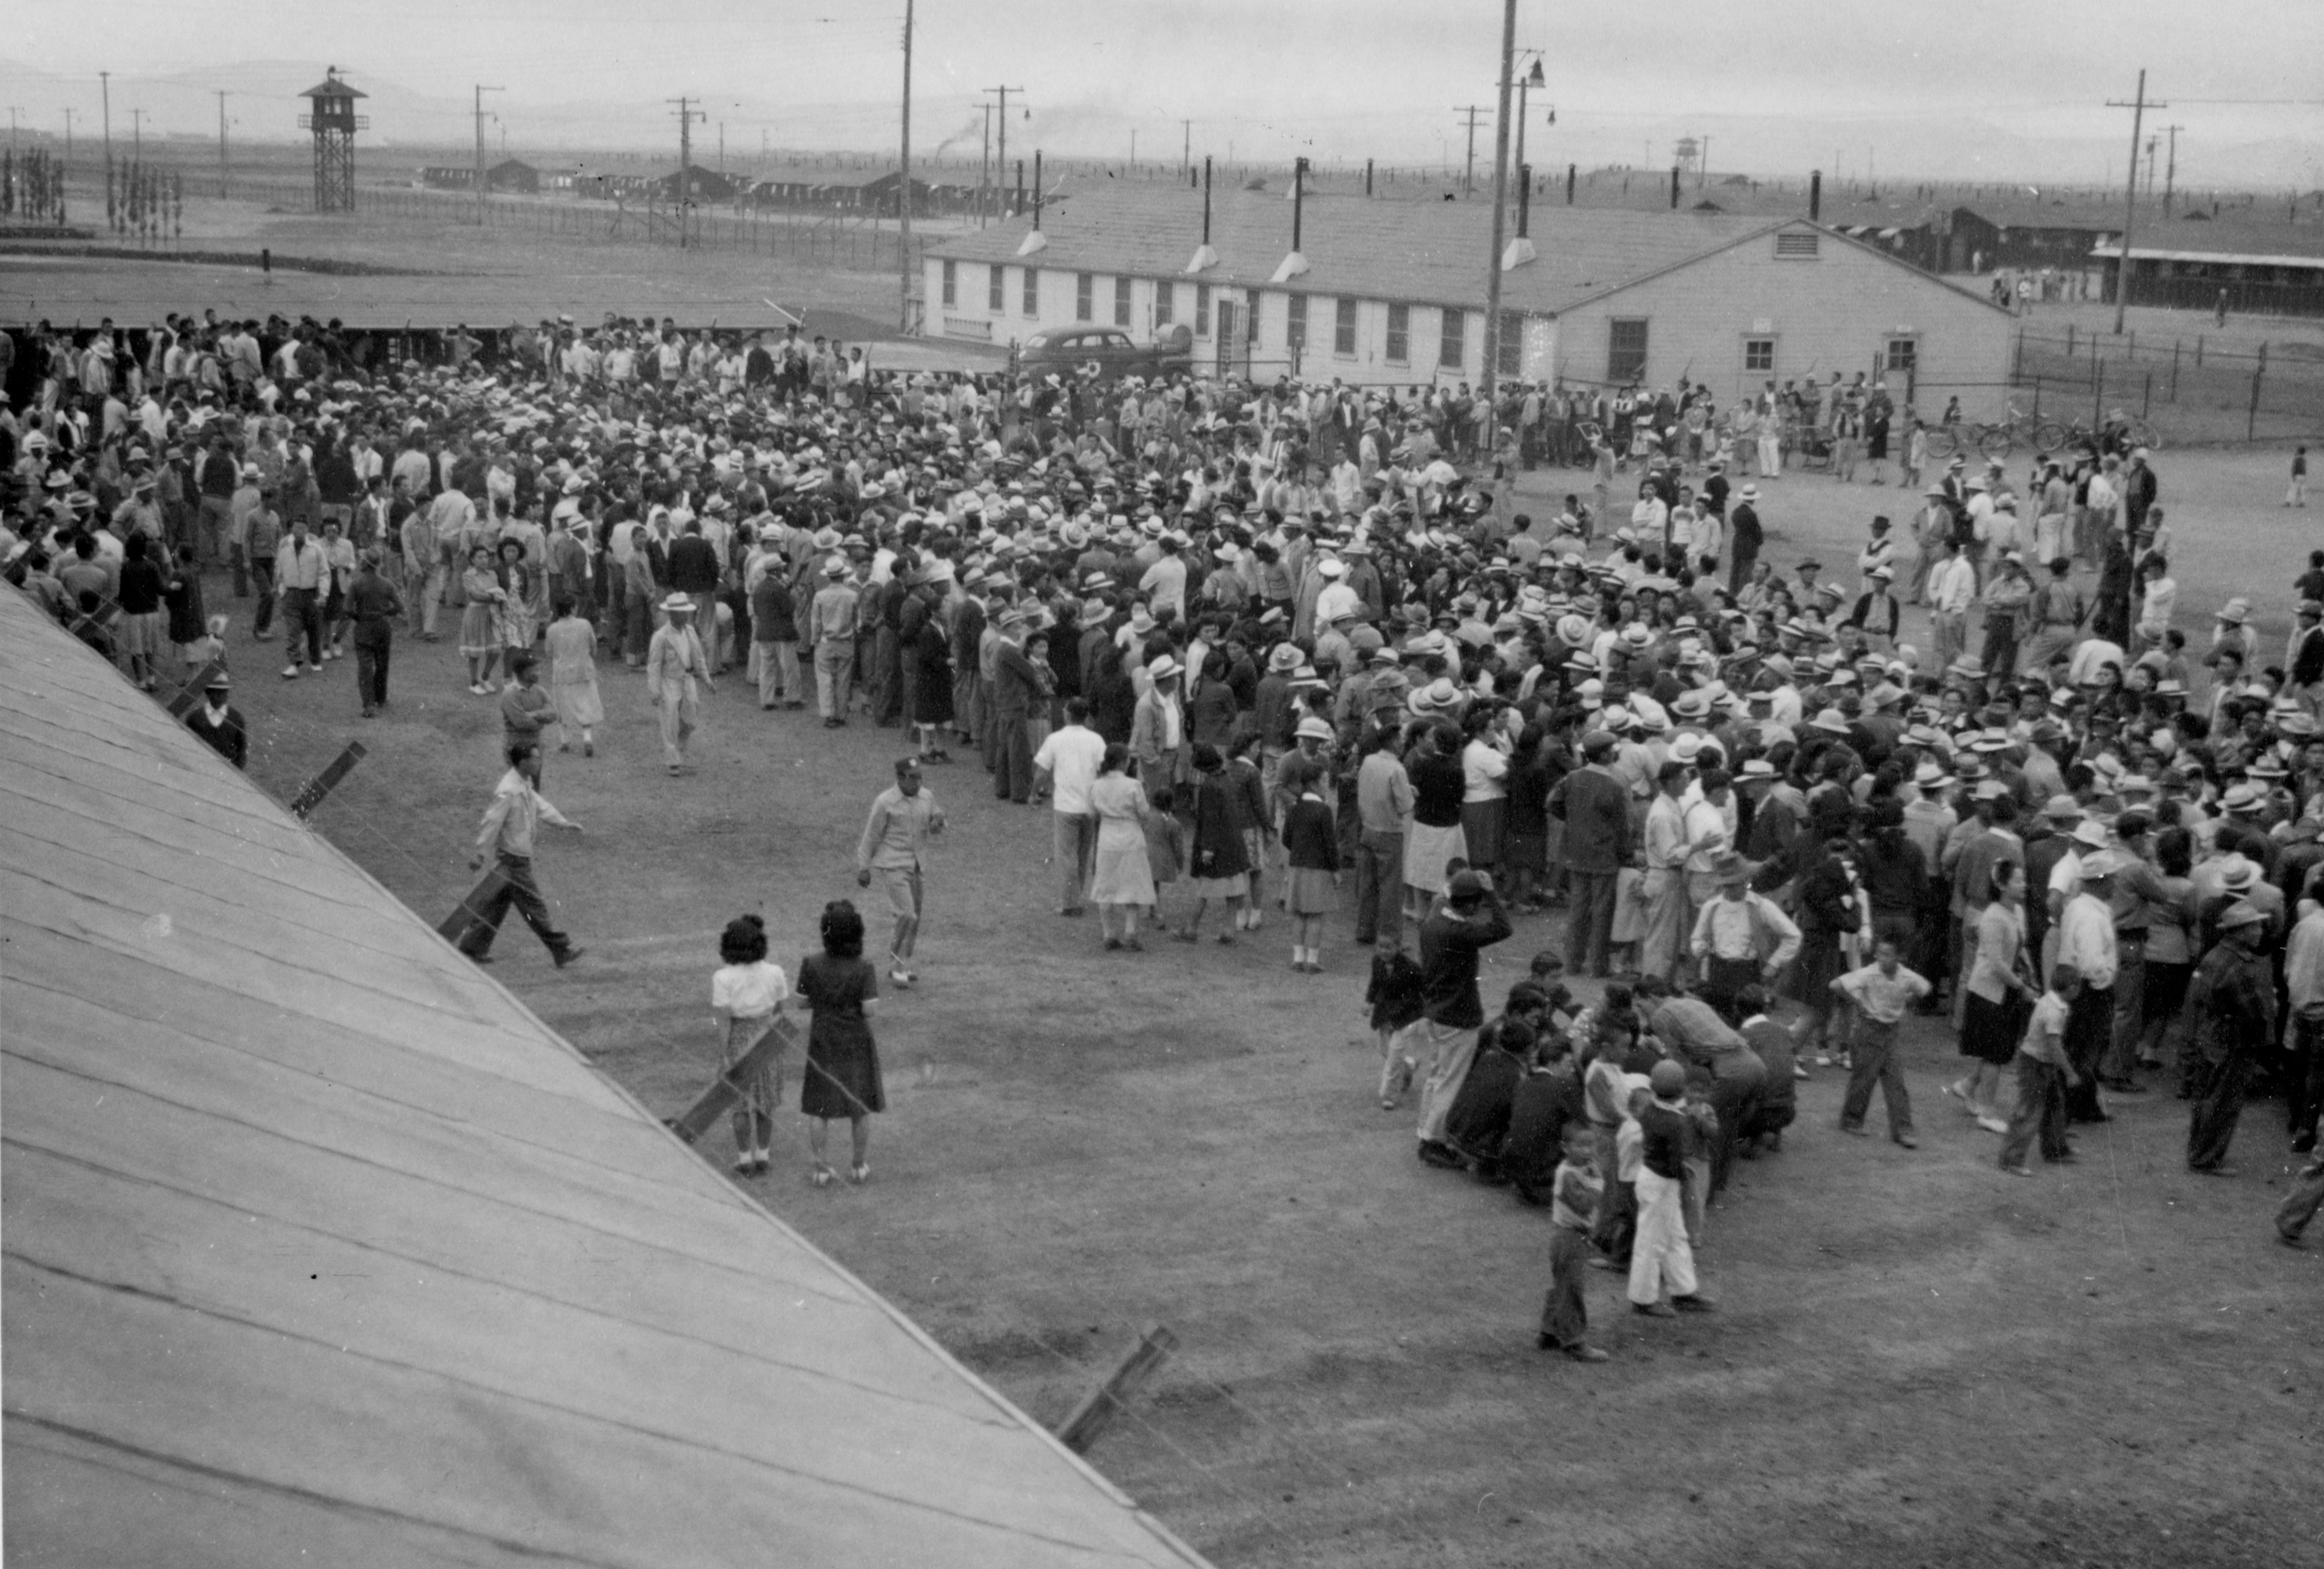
(1295, 646)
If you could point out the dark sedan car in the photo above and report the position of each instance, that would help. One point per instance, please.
(1109, 350)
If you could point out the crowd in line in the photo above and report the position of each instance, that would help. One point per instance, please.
(1294, 645)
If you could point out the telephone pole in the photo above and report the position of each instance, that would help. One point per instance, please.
(686, 115)
(1186, 151)
(2171, 167)
(2154, 145)
(221, 99)
(1500, 202)
(904, 192)
(137, 137)
(481, 91)
(2137, 107)
(69, 135)
(105, 84)
(984, 170)
(1469, 175)
(1002, 161)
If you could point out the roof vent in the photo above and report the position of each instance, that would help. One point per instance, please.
(1796, 245)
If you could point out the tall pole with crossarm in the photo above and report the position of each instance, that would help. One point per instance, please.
(1500, 204)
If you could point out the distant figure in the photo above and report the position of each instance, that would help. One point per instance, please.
(220, 724)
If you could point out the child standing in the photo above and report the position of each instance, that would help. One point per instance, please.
(1165, 846)
(2297, 496)
(1312, 846)
(1661, 1257)
(1881, 991)
(2044, 1072)
(1394, 996)
(746, 995)
(1565, 1314)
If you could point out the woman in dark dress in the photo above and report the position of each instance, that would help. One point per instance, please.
(932, 692)
(843, 1063)
(1220, 865)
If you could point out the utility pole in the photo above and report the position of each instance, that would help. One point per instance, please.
(1469, 175)
(104, 84)
(1001, 161)
(686, 115)
(904, 192)
(984, 172)
(481, 91)
(2170, 168)
(2137, 107)
(1187, 152)
(2153, 143)
(69, 135)
(137, 144)
(221, 99)
(1500, 203)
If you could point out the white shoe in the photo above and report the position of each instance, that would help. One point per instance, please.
(289, 672)
(901, 976)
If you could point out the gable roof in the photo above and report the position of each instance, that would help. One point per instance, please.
(318, 1242)
(1420, 252)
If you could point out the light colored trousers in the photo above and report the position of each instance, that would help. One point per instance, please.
(1451, 1051)
(1661, 1255)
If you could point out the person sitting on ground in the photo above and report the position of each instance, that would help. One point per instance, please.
(1479, 1125)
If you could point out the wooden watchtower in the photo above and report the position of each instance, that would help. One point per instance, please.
(333, 121)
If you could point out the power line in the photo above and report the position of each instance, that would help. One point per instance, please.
(1468, 176)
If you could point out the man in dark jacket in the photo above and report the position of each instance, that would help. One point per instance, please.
(219, 724)
(694, 571)
(1595, 807)
(1744, 538)
(1470, 921)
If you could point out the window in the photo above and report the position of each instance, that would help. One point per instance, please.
(994, 300)
(1625, 351)
(1121, 302)
(1509, 354)
(1343, 327)
(952, 282)
(1904, 356)
(1085, 297)
(1295, 326)
(1165, 300)
(1201, 310)
(1452, 341)
(1399, 334)
(1758, 354)
(1796, 246)
(1032, 301)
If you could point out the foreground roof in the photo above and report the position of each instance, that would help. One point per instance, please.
(320, 1248)
(1423, 253)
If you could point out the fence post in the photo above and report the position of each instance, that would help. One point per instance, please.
(2069, 340)
(2097, 388)
(2251, 419)
(2146, 400)
(2037, 397)
(2172, 396)
(2198, 351)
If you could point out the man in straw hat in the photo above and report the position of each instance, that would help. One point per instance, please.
(2231, 1001)
(675, 660)
(1740, 938)
(219, 724)
(831, 624)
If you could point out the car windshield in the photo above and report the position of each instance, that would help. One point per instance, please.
(1038, 340)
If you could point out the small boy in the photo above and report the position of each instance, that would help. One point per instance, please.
(1394, 1000)
(2297, 496)
(1565, 1314)
(2044, 1073)
(1165, 846)
(1881, 991)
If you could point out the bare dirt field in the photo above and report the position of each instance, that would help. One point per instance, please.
(1917, 1360)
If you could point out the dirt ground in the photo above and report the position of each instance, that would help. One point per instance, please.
(1916, 1361)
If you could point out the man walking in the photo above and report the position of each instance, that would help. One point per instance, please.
(1952, 589)
(831, 622)
(510, 824)
(904, 817)
(674, 659)
(373, 604)
(2232, 1001)
(1068, 760)
(301, 571)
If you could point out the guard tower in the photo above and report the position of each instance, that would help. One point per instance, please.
(335, 122)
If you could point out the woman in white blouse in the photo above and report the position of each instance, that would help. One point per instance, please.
(746, 995)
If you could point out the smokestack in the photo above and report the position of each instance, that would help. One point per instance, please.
(1525, 198)
(1570, 170)
(1294, 263)
(1815, 196)
(1018, 205)
(1036, 189)
(1673, 188)
(1035, 240)
(1206, 198)
(1368, 176)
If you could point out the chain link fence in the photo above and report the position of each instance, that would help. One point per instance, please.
(2194, 392)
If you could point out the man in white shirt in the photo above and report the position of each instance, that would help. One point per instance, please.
(1952, 589)
(2086, 940)
(1067, 761)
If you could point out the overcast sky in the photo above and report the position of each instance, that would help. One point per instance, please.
(1773, 81)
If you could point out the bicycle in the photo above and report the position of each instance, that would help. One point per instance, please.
(1996, 440)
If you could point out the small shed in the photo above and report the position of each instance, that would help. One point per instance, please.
(513, 174)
